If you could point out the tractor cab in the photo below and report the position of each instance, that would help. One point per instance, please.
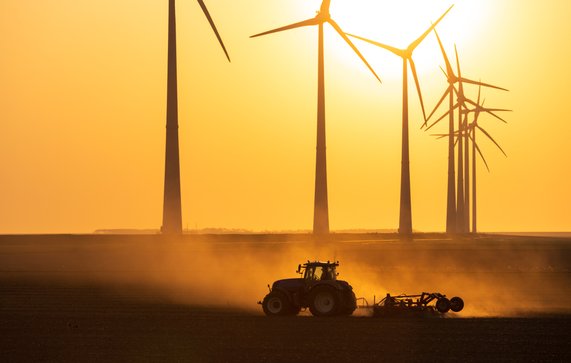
(318, 271)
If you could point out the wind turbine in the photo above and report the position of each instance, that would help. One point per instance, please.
(405, 218)
(321, 206)
(172, 211)
(471, 132)
(452, 79)
(456, 211)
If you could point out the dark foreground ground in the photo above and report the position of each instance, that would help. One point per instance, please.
(53, 311)
(76, 324)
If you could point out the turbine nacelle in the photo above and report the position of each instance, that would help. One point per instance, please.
(407, 53)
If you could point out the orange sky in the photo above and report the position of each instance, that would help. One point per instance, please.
(82, 114)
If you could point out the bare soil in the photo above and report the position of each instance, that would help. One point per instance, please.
(52, 309)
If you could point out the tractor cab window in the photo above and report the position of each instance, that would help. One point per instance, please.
(315, 273)
(310, 273)
(328, 273)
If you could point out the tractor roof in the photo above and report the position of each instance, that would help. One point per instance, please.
(319, 263)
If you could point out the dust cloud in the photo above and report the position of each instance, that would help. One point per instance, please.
(496, 276)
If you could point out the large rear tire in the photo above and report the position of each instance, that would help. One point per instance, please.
(324, 301)
(276, 303)
(349, 303)
(456, 304)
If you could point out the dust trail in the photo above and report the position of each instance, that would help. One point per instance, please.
(496, 276)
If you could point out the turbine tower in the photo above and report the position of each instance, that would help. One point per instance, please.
(321, 205)
(405, 218)
(451, 189)
(172, 212)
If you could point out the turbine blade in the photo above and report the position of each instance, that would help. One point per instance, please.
(348, 41)
(437, 121)
(455, 133)
(460, 83)
(478, 112)
(325, 6)
(308, 22)
(445, 56)
(495, 109)
(476, 117)
(205, 10)
(414, 74)
(415, 44)
(466, 80)
(441, 117)
(496, 116)
(394, 50)
(472, 103)
(492, 139)
(457, 62)
(480, 153)
(446, 93)
(443, 71)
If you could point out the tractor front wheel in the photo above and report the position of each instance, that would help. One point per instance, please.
(276, 303)
(324, 301)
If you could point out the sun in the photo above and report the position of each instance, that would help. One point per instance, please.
(398, 23)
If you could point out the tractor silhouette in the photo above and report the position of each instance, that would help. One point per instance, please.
(318, 289)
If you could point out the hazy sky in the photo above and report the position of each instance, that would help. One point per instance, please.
(83, 104)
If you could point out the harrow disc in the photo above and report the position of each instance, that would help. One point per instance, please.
(456, 304)
(443, 305)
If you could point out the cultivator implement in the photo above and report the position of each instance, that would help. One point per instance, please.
(426, 303)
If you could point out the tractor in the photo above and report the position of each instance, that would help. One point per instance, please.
(318, 289)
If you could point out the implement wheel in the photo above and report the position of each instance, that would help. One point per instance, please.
(324, 301)
(443, 305)
(456, 304)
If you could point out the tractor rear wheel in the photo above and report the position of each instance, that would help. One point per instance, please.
(324, 301)
(276, 303)
(443, 305)
(349, 303)
(456, 304)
